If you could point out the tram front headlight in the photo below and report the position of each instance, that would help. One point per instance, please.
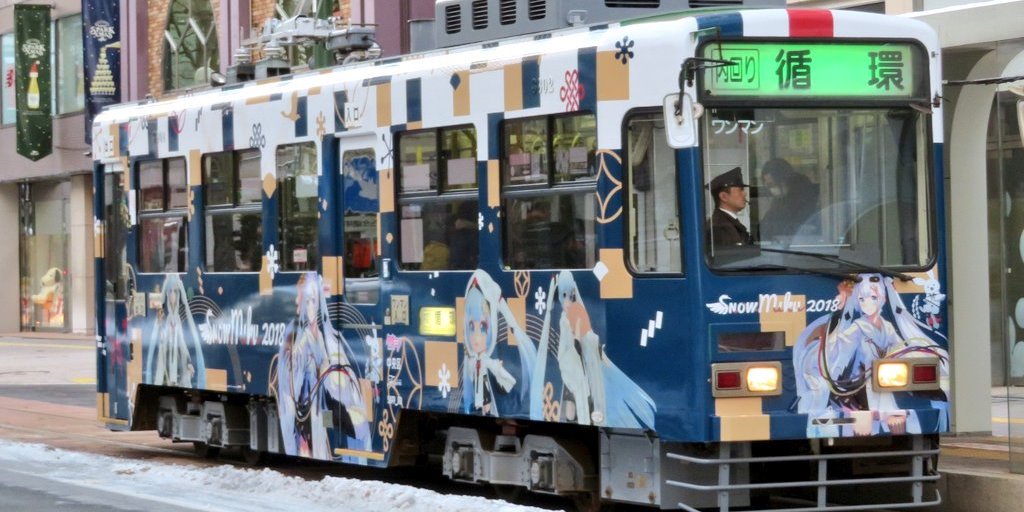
(748, 378)
(892, 374)
(764, 379)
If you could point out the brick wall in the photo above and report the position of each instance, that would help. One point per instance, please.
(261, 11)
(155, 44)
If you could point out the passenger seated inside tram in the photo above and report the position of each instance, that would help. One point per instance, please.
(463, 237)
(794, 201)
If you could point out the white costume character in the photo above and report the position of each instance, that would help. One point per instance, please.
(168, 359)
(579, 356)
(603, 393)
(834, 361)
(481, 372)
(313, 373)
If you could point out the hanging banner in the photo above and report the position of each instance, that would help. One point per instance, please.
(32, 80)
(101, 40)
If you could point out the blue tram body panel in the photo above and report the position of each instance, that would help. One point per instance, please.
(602, 346)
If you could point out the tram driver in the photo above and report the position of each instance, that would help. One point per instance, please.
(730, 196)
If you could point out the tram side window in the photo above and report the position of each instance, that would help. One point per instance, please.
(653, 200)
(548, 190)
(116, 221)
(234, 230)
(298, 184)
(362, 203)
(437, 196)
(163, 205)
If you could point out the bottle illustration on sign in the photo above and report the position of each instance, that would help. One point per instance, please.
(32, 98)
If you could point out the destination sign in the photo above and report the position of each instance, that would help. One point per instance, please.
(814, 69)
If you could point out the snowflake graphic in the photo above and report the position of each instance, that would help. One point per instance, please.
(102, 31)
(480, 220)
(272, 265)
(625, 49)
(540, 305)
(445, 376)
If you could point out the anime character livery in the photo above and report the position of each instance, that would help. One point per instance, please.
(834, 363)
(175, 354)
(598, 392)
(594, 390)
(484, 374)
(314, 376)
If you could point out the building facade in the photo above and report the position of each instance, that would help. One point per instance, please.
(46, 205)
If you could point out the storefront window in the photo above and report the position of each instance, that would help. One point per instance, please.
(1006, 224)
(7, 63)
(44, 254)
(190, 44)
(70, 81)
(1005, 169)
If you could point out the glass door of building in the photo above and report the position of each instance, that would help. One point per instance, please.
(1006, 273)
(43, 215)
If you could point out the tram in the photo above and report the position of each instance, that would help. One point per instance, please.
(682, 260)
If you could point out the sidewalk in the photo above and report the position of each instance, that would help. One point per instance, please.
(976, 475)
(47, 359)
(46, 336)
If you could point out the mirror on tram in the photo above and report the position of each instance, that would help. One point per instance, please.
(681, 114)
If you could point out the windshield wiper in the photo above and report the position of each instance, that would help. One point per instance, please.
(806, 270)
(836, 259)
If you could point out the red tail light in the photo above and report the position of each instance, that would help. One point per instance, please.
(925, 373)
(728, 380)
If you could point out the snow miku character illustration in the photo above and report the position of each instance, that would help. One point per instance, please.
(314, 376)
(601, 393)
(833, 361)
(931, 304)
(483, 374)
(170, 361)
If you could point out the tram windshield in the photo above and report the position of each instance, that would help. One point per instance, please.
(850, 183)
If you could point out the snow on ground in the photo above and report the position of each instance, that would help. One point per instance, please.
(227, 488)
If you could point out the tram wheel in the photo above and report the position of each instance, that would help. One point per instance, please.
(205, 451)
(252, 457)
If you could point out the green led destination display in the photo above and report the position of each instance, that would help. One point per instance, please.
(815, 69)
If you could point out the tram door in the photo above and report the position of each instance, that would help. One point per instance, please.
(116, 356)
(362, 313)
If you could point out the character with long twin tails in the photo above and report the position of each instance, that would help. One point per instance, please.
(833, 361)
(600, 393)
(175, 354)
(314, 374)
